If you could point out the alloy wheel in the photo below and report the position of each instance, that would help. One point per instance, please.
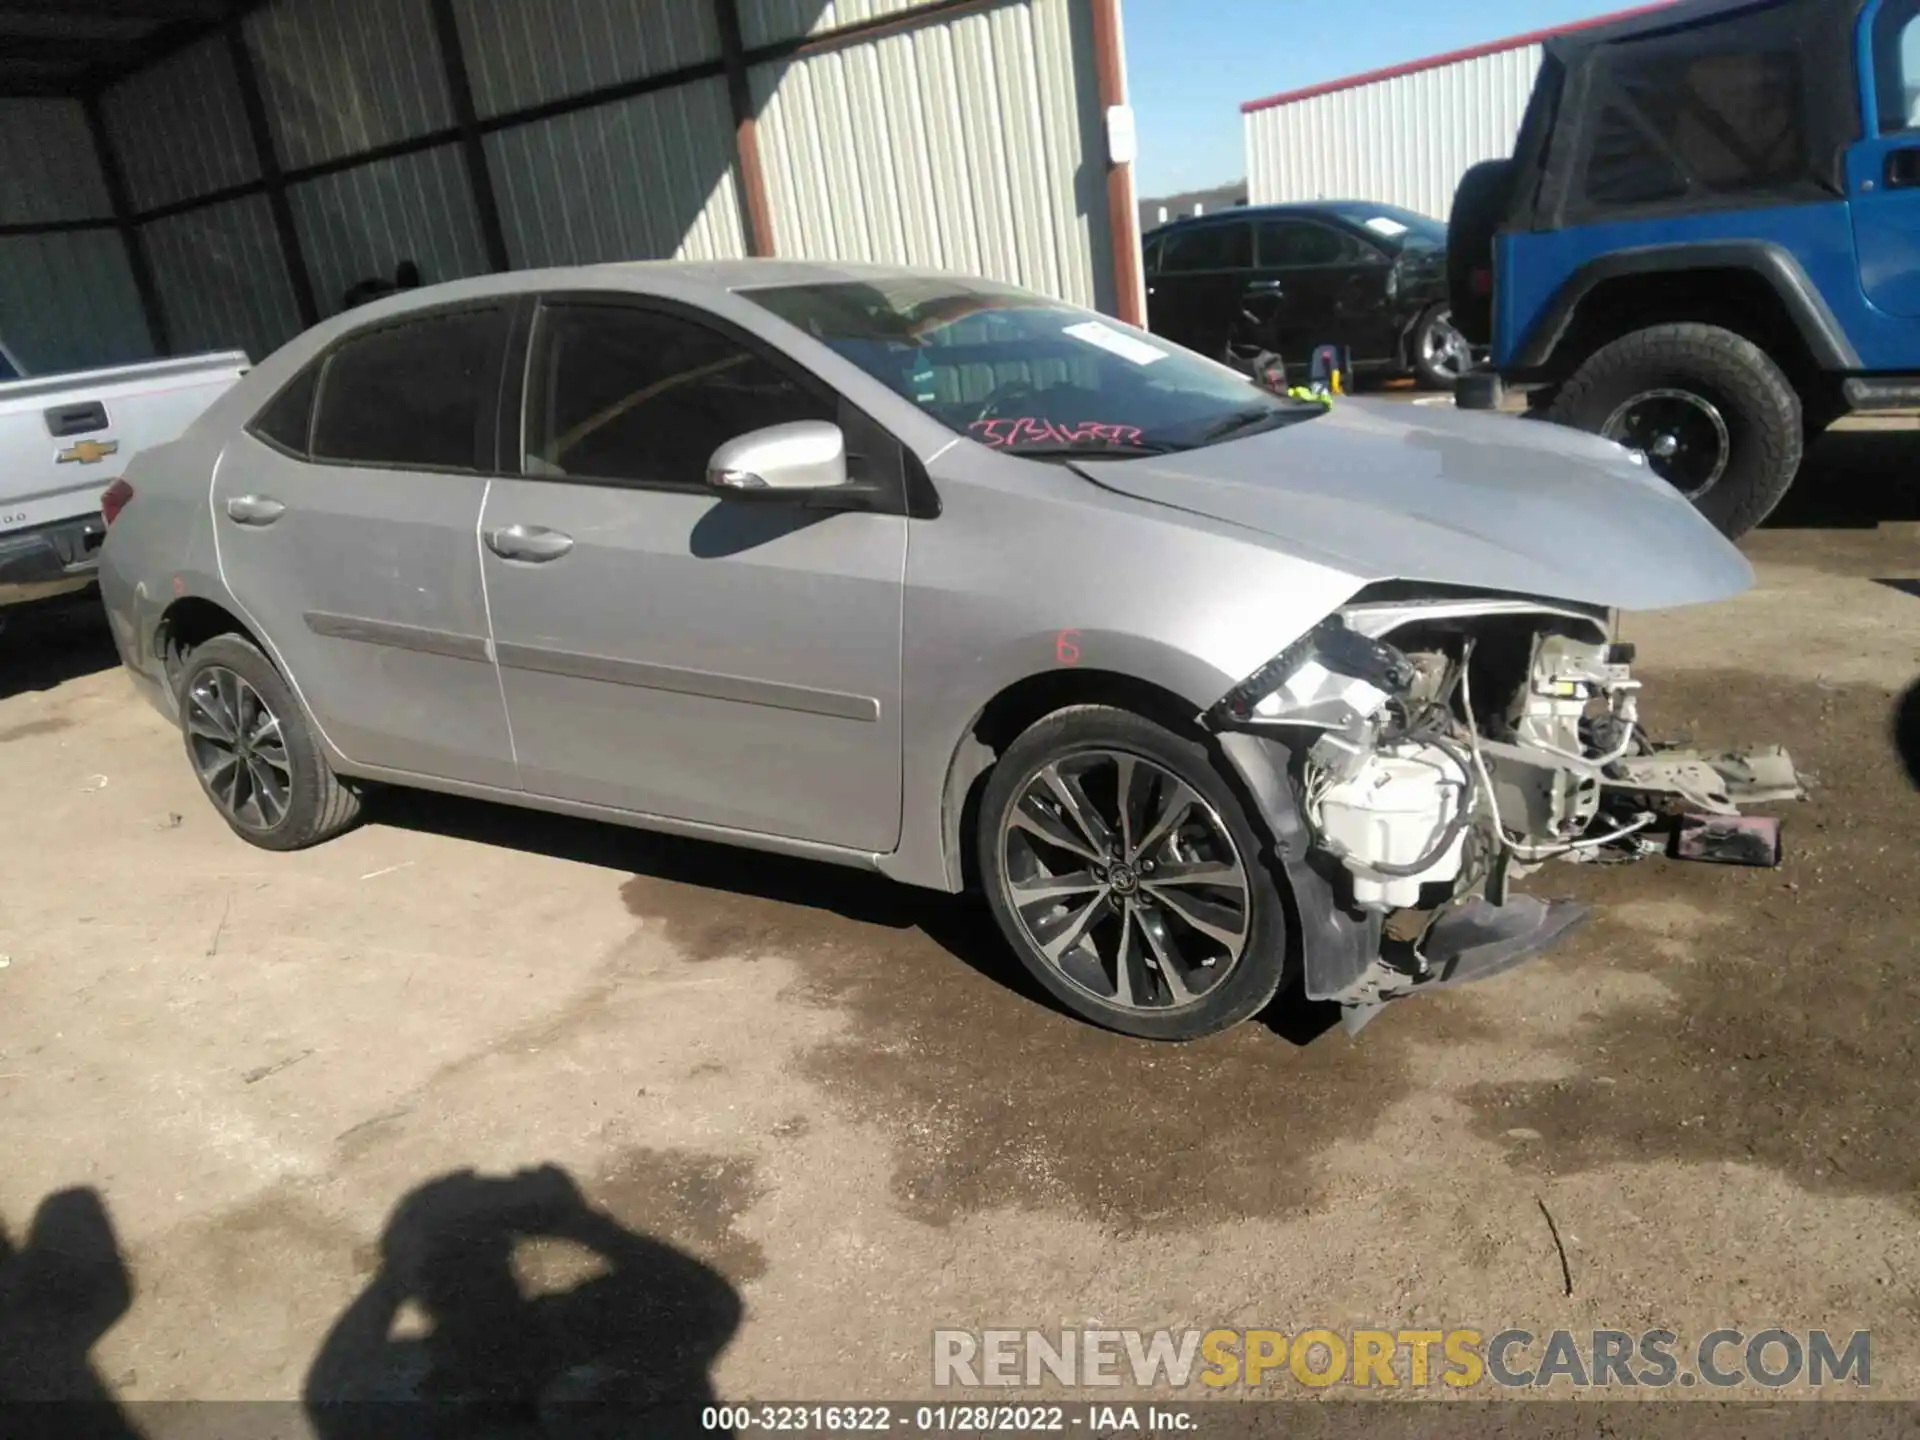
(238, 748)
(1125, 880)
(1445, 350)
(1683, 435)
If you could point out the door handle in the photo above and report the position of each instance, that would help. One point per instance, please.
(254, 509)
(534, 543)
(1264, 287)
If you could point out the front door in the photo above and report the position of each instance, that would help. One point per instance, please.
(665, 651)
(345, 520)
(1884, 170)
(1319, 285)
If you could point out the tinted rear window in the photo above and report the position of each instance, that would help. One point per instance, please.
(417, 393)
(284, 420)
(1208, 247)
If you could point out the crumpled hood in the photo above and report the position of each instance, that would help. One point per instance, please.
(1397, 492)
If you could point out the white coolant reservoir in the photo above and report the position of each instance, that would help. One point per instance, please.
(1394, 811)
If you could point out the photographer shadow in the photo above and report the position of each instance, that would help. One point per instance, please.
(61, 1290)
(514, 1307)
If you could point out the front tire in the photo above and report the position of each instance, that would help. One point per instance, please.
(1714, 415)
(254, 752)
(1127, 878)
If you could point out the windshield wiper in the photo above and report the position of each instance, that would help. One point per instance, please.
(1250, 420)
(1106, 450)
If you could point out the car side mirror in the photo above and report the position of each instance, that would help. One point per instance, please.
(790, 461)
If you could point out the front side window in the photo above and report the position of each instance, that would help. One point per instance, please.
(1019, 372)
(413, 395)
(1208, 247)
(1392, 227)
(621, 393)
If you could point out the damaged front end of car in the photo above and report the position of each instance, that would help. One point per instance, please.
(1422, 749)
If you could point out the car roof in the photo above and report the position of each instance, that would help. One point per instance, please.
(1256, 212)
(692, 280)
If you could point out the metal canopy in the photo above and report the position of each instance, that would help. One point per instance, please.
(74, 47)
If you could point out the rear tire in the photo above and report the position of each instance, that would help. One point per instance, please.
(1106, 891)
(1715, 415)
(255, 753)
(1441, 354)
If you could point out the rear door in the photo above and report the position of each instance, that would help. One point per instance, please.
(347, 519)
(1196, 296)
(1319, 284)
(674, 653)
(1884, 169)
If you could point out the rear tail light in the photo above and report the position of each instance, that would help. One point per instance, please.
(1482, 281)
(114, 499)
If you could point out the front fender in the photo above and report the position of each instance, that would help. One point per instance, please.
(1825, 338)
(1336, 946)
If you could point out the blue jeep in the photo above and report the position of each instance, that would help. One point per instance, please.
(1707, 243)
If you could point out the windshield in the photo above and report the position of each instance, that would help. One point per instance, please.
(1029, 375)
(1397, 228)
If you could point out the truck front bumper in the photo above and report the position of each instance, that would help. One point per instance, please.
(50, 559)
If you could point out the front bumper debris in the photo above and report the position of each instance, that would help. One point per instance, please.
(1473, 941)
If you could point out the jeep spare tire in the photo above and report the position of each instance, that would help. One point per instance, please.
(1479, 209)
(1712, 413)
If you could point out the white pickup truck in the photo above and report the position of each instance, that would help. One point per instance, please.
(64, 439)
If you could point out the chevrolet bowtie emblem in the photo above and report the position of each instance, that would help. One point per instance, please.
(87, 452)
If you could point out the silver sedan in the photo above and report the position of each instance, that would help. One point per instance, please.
(1208, 689)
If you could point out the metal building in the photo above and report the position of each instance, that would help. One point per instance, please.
(1401, 136)
(184, 175)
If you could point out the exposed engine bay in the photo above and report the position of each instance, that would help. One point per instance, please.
(1447, 746)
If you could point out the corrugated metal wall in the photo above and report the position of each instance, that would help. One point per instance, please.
(180, 131)
(221, 279)
(67, 299)
(764, 21)
(1402, 141)
(976, 144)
(971, 142)
(179, 127)
(513, 61)
(341, 76)
(48, 171)
(366, 220)
(646, 178)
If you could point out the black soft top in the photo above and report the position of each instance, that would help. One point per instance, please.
(1702, 104)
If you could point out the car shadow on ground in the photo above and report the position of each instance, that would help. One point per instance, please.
(52, 642)
(1854, 480)
(961, 925)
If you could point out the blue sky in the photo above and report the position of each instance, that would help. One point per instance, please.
(1191, 62)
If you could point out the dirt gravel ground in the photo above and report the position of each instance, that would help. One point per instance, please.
(795, 1118)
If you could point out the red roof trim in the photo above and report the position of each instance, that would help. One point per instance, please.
(1452, 57)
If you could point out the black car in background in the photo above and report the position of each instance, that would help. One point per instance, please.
(1287, 279)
